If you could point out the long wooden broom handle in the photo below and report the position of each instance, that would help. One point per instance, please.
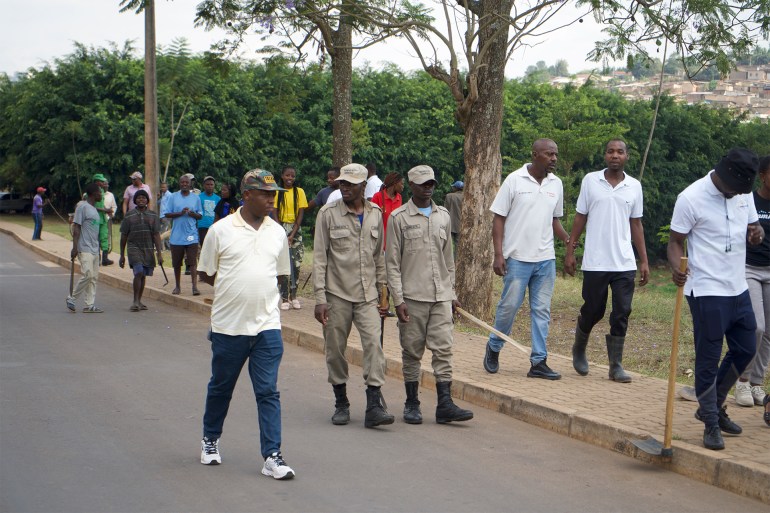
(673, 363)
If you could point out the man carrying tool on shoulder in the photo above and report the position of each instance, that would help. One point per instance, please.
(421, 278)
(348, 266)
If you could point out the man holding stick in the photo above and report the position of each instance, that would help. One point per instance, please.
(85, 246)
(717, 216)
(421, 278)
(348, 266)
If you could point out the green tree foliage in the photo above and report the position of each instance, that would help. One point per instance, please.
(271, 115)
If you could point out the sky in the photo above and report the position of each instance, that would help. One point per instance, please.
(35, 32)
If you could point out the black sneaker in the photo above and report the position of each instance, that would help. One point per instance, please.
(542, 370)
(712, 438)
(491, 365)
(725, 424)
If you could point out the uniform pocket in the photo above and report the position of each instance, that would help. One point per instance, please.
(340, 239)
(413, 240)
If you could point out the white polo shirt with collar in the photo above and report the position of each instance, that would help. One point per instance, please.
(716, 238)
(608, 228)
(246, 263)
(529, 208)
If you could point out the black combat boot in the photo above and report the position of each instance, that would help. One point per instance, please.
(412, 413)
(446, 409)
(341, 405)
(579, 360)
(615, 355)
(376, 414)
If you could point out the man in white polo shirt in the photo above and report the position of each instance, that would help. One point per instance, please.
(717, 216)
(609, 207)
(242, 257)
(527, 209)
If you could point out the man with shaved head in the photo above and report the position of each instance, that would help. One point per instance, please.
(527, 209)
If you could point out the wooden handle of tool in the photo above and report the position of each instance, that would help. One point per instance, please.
(668, 434)
(478, 322)
(384, 303)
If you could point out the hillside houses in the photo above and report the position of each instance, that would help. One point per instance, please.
(747, 89)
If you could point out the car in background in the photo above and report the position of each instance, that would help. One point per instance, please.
(14, 201)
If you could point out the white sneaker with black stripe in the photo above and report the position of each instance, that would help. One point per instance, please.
(276, 468)
(210, 451)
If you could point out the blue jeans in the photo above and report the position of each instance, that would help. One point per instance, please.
(229, 353)
(539, 277)
(715, 318)
(38, 226)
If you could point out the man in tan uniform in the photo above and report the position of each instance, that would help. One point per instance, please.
(454, 204)
(348, 266)
(421, 278)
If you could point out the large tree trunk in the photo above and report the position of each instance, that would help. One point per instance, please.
(151, 154)
(483, 166)
(342, 78)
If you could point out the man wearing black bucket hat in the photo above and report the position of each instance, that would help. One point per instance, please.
(717, 217)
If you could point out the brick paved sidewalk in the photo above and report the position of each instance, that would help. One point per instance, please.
(592, 408)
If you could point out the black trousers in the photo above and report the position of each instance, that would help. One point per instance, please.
(596, 286)
(715, 318)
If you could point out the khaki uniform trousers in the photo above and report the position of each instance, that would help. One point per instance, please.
(430, 325)
(342, 315)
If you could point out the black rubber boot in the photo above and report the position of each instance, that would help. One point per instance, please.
(412, 413)
(446, 409)
(341, 405)
(615, 355)
(105, 259)
(376, 414)
(579, 360)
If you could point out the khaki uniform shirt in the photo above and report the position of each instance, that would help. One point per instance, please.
(454, 204)
(419, 255)
(347, 255)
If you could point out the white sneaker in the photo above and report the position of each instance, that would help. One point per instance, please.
(276, 468)
(210, 451)
(743, 395)
(758, 394)
(298, 306)
(285, 305)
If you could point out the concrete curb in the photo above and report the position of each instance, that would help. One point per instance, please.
(744, 478)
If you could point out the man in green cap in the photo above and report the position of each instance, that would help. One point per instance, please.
(104, 212)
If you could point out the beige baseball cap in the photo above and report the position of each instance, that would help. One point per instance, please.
(353, 173)
(421, 174)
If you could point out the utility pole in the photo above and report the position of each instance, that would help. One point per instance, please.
(151, 156)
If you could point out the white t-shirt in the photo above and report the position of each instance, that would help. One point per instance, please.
(529, 208)
(334, 196)
(373, 184)
(716, 238)
(110, 203)
(246, 263)
(608, 227)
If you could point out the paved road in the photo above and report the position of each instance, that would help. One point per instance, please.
(102, 413)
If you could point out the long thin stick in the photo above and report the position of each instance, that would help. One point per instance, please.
(383, 305)
(72, 275)
(482, 324)
(668, 434)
